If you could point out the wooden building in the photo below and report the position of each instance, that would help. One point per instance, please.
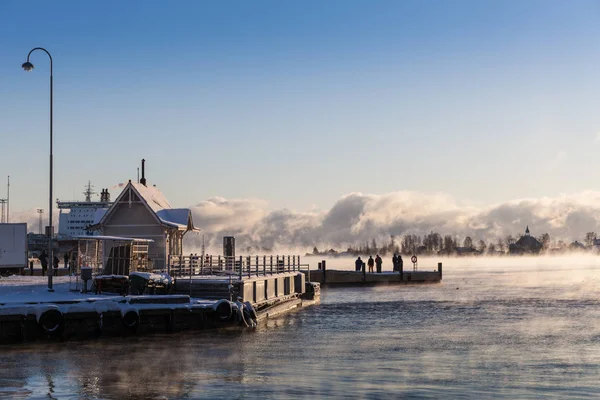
(143, 212)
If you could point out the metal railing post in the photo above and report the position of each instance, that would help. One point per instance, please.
(240, 268)
(271, 263)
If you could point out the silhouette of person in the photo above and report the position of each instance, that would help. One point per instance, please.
(358, 264)
(378, 262)
(44, 261)
(371, 263)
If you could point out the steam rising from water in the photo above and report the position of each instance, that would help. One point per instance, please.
(357, 218)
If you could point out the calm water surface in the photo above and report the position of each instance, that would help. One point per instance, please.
(499, 328)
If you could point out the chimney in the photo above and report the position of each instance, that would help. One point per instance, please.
(143, 180)
(105, 196)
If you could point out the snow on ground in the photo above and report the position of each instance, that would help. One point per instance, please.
(26, 289)
(18, 290)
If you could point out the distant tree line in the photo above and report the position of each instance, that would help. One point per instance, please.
(434, 243)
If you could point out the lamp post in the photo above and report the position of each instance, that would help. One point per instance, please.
(27, 66)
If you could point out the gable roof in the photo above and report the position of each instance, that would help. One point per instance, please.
(157, 203)
(153, 197)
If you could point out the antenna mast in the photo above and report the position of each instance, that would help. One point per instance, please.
(8, 200)
(89, 191)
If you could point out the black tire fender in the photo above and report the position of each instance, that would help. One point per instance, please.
(251, 310)
(51, 322)
(131, 319)
(223, 310)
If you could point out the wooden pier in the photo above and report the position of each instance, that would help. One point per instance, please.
(350, 278)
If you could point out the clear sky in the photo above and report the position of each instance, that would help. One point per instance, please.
(301, 102)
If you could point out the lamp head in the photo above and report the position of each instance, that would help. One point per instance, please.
(27, 66)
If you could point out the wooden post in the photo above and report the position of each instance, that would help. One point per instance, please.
(364, 271)
(440, 270)
(401, 267)
(264, 265)
(289, 264)
(256, 265)
(240, 268)
(324, 266)
(271, 263)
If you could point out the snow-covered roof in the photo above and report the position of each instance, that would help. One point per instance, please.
(179, 217)
(104, 237)
(155, 199)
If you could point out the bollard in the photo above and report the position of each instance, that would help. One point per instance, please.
(440, 270)
(401, 267)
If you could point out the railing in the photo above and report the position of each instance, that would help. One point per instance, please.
(242, 266)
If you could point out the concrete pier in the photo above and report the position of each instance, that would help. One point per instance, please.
(338, 277)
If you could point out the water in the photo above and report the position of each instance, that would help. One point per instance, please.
(500, 328)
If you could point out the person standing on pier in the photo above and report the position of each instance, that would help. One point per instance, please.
(378, 262)
(66, 258)
(395, 262)
(55, 262)
(44, 261)
(371, 263)
(358, 264)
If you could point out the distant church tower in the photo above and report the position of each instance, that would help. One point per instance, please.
(527, 231)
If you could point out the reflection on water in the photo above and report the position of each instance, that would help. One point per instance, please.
(506, 329)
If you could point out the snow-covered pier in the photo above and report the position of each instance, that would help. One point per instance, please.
(28, 312)
(351, 278)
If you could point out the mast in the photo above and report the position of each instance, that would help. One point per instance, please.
(8, 200)
(89, 192)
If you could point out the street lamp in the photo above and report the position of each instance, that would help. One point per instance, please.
(27, 66)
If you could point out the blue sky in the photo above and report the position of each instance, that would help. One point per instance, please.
(299, 103)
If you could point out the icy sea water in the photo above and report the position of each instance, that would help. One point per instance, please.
(496, 328)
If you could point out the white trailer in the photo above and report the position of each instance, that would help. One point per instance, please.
(13, 247)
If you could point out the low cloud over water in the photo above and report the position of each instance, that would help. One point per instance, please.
(357, 217)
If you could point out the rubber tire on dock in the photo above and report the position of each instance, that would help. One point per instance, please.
(51, 322)
(223, 310)
(251, 310)
(249, 315)
(131, 320)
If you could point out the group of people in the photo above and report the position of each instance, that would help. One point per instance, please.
(359, 264)
(43, 257)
